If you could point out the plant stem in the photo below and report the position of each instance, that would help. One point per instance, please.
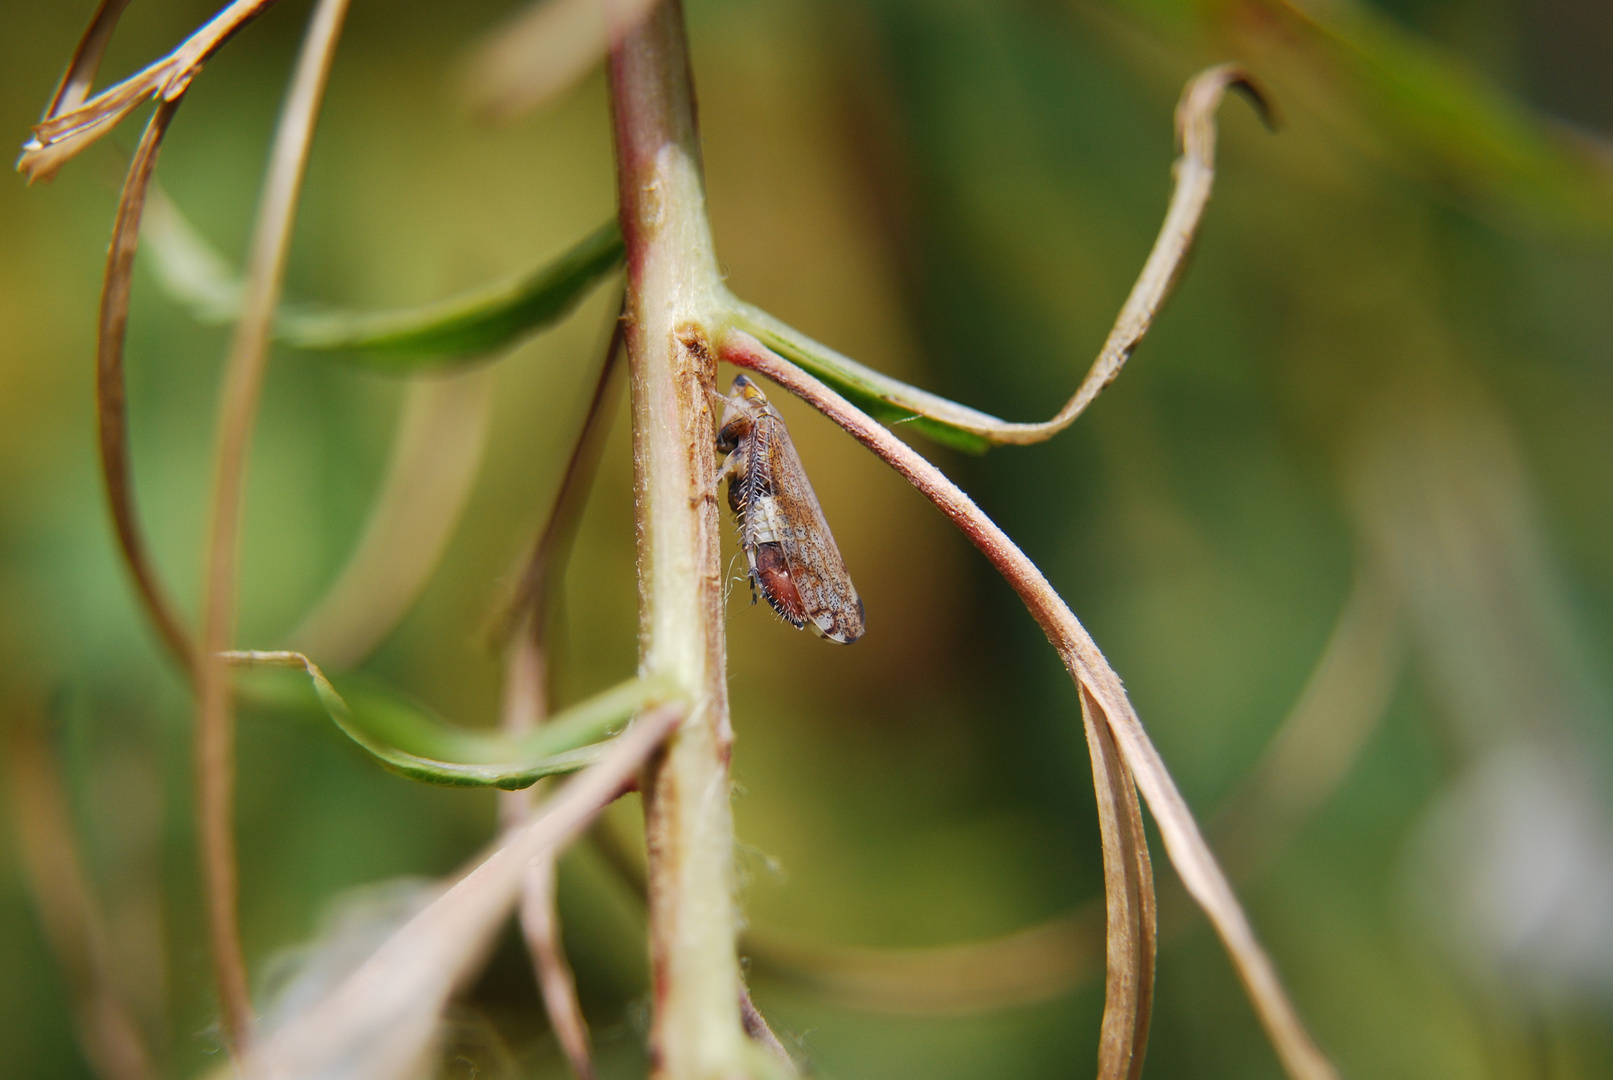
(243, 383)
(672, 282)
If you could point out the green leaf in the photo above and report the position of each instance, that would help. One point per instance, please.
(403, 341)
(888, 400)
(410, 740)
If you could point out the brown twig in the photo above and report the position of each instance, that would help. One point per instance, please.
(243, 381)
(526, 702)
(65, 133)
(1128, 887)
(111, 405)
(1195, 178)
(86, 59)
(1191, 856)
(672, 287)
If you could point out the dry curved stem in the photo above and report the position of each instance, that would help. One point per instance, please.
(1195, 178)
(68, 131)
(1131, 935)
(526, 704)
(111, 405)
(1191, 856)
(243, 382)
(75, 926)
(86, 59)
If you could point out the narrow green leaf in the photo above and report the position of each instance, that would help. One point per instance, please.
(410, 740)
(463, 328)
(888, 400)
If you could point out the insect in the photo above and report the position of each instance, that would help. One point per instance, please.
(792, 555)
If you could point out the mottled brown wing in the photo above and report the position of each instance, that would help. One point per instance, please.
(828, 598)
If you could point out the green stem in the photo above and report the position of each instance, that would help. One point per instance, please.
(672, 287)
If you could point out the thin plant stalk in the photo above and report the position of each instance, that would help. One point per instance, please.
(1131, 935)
(1195, 179)
(66, 132)
(672, 279)
(79, 77)
(111, 406)
(526, 704)
(1185, 845)
(243, 383)
(379, 1021)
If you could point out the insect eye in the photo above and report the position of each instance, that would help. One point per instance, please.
(730, 433)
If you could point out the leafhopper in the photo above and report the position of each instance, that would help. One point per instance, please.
(792, 556)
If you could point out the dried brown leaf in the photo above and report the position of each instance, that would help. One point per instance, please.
(243, 382)
(111, 408)
(86, 59)
(1128, 885)
(66, 133)
(1191, 856)
(970, 429)
(1305, 761)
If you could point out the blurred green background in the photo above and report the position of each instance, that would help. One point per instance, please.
(1385, 375)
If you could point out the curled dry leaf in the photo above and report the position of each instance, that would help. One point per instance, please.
(111, 407)
(968, 429)
(1128, 887)
(1185, 845)
(544, 51)
(86, 59)
(66, 133)
(244, 372)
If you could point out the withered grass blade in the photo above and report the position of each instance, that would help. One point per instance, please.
(969, 429)
(243, 377)
(1128, 879)
(69, 132)
(111, 405)
(1189, 854)
(1306, 760)
(86, 59)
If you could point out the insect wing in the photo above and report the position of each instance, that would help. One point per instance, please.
(828, 600)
